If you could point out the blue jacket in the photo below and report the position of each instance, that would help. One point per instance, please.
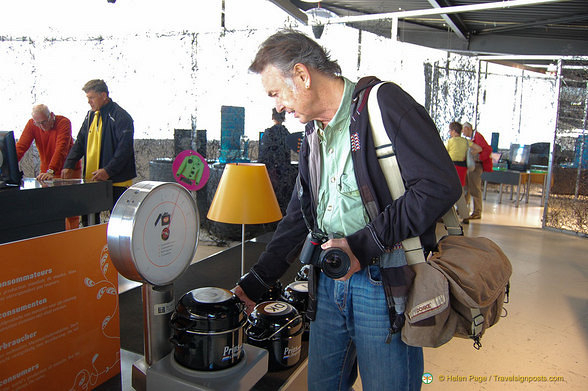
(117, 152)
(430, 178)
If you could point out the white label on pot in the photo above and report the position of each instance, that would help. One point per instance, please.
(162, 309)
(231, 352)
(277, 307)
(291, 351)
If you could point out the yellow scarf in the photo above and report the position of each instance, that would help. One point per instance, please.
(93, 146)
(93, 150)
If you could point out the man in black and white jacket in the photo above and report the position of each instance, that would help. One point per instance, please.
(341, 190)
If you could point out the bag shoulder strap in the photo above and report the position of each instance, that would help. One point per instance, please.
(389, 165)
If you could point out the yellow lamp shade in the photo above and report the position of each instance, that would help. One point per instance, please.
(245, 196)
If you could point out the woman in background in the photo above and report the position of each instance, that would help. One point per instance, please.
(275, 154)
(457, 147)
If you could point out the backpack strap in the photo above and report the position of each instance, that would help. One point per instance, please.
(389, 165)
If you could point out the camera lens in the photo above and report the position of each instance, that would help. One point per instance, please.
(334, 262)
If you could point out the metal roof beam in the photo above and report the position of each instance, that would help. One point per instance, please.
(439, 11)
(544, 22)
(453, 21)
(291, 10)
(497, 44)
(526, 45)
(530, 58)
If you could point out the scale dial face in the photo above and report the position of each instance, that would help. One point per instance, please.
(153, 232)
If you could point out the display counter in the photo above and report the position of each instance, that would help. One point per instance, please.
(40, 208)
(219, 270)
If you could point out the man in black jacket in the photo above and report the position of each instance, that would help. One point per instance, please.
(341, 192)
(105, 141)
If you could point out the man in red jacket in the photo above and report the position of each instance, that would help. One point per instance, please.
(474, 178)
(52, 136)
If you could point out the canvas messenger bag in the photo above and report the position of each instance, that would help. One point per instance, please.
(460, 290)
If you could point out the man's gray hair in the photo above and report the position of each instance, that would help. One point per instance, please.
(287, 48)
(96, 85)
(467, 125)
(41, 109)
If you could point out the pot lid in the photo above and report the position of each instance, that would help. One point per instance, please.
(209, 308)
(298, 286)
(296, 292)
(274, 315)
(210, 295)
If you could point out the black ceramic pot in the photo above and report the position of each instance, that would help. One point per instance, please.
(277, 327)
(208, 329)
(296, 293)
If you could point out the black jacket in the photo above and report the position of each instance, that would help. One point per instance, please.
(430, 178)
(117, 153)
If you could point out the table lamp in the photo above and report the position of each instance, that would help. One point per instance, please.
(244, 196)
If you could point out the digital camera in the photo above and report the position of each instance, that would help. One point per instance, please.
(334, 262)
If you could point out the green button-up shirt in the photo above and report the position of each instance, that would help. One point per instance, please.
(340, 210)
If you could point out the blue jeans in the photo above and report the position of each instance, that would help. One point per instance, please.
(350, 329)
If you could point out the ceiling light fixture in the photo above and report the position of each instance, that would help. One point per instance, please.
(318, 18)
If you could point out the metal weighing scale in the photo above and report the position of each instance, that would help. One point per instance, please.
(152, 238)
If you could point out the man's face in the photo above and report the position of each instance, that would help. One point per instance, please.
(289, 94)
(467, 131)
(44, 121)
(96, 99)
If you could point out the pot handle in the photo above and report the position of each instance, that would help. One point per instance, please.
(174, 325)
(284, 326)
(242, 305)
(261, 337)
(177, 343)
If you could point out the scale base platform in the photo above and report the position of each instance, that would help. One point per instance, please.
(168, 374)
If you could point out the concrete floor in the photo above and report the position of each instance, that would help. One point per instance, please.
(546, 331)
(545, 335)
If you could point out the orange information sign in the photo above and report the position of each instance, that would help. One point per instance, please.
(59, 323)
